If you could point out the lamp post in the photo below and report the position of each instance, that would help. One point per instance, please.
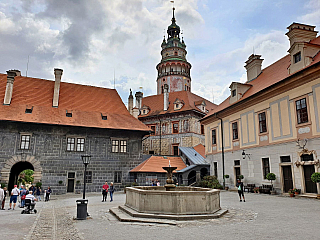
(86, 161)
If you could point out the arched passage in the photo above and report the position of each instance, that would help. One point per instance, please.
(191, 177)
(8, 165)
(16, 170)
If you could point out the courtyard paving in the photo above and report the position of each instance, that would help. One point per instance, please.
(260, 217)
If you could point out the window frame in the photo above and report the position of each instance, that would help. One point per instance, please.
(173, 123)
(298, 111)
(80, 144)
(123, 146)
(265, 167)
(215, 136)
(265, 122)
(237, 130)
(114, 145)
(116, 176)
(90, 175)
(233, 92)
(28, 143)
(297, 57)
(75, 144)
(119, 145)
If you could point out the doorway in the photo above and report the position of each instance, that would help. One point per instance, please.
(71, 178)
(310, 187)
(15, 171)
(237, 172)
(287, 178)
(176, 150)
(192, 177)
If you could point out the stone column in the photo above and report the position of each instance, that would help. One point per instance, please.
(9, 88)
(57, 75)
(198, 176)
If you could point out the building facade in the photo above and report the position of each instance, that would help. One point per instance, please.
(271, 122)
(174, 114)
(48, 125)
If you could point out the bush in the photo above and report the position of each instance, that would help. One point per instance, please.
(210, 182)
(39, 184)
(226, 176)
(315, 177)
(271, 176)
(3, 185)
(241, 177)
(60, 182)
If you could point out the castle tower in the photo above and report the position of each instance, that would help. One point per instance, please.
(174, 69)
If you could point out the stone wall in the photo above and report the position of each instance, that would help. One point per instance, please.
(48, 149)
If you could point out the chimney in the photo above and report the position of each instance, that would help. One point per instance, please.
(57, 78)
(139, 96)
(253, 66)
(130, 102)
(9, 88)
(165, 97)
(135, 112)
(300, 33)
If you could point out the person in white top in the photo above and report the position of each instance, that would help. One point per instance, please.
(1, 194)
(14, 196)
(31, 197)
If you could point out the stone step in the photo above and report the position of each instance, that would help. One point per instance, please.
(124, 217)
(136, 214)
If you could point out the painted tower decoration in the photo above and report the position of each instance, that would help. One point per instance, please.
(174, 69)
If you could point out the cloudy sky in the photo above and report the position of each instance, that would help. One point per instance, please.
(92, 39)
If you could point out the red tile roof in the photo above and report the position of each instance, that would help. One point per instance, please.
(85, 102)
(200, 149)
(154, 164)
(155, 103)
(269, 76)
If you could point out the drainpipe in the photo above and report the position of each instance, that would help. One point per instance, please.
(222, 151)
(160, 136)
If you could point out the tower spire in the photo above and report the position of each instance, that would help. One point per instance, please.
(173, 18)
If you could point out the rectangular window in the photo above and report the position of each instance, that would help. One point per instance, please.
(118, 177)
(214, 137)
(175, 127)
(175, 150)
(266, 167)
(236, 162)
(233, 93)
(297, 57)
(262, 122)
(202, 129)
(115, 145)
(215, 164)
(80, 144)
(153, 129)
(89, 177)
(70, 144)
(284, 159)
(25, 142)
(123, 146)
(235, 130)
(307, 157)
(302, 112)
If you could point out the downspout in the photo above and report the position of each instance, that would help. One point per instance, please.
(160, 136)
(222, 150)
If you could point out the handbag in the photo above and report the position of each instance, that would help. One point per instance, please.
(23, 197)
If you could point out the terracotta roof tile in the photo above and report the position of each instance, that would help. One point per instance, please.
(200, 149)
(154, 164)
(85, 102)
(269, 76)
(155, 103)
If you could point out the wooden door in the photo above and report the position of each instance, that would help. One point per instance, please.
(70, 185)
(310, 186)
(237, 172)
(287, 178)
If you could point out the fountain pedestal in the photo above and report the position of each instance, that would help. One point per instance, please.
(170, 186)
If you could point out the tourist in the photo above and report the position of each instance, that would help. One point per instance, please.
(105, 189)
(32, 189)
(23, 194)
(240, 190)
(14, 196)
(38, 193)
(31, 197)
(5, 192)
(158, 183)
(48, 192)
(111, 190)
(1, 194)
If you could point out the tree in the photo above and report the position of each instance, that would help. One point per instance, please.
(315, 177)
(271, 177)
(27, 175)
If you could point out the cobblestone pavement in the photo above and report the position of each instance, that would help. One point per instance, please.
(260, 217)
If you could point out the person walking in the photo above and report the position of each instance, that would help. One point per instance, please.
(105, 189)
(111, 190)
(48, 192)
(23, 194)
(14, 196)
(5, 192)
(1, 194)
(240, 190)
(39, 193)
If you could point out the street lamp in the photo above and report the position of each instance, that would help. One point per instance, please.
(82, 212)
(86, 161)
(244, 155)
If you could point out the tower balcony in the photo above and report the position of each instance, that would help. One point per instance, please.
(173, 73)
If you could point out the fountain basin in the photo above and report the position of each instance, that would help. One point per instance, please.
(180, 201)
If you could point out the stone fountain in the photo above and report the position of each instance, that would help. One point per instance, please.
(170, 202)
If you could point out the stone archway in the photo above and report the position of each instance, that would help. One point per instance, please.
(5, 171)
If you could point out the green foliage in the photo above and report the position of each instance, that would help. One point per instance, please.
(210, 182)
(271, 176)
(241, 177)
(315, 177)
(78, 182)
(27, 175)
(3, 185)
(60, 182)
(226, 176)
(39, 184)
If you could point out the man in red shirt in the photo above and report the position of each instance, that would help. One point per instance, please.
(105, 188)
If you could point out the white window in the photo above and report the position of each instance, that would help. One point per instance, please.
(75, 144)
(25, 142)
(115, 146)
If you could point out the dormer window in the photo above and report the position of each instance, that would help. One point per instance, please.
(234, 93)
(29, 109)
(297, 57)
(68, 114)
(104, 116)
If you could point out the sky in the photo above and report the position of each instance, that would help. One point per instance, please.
(97, 41)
